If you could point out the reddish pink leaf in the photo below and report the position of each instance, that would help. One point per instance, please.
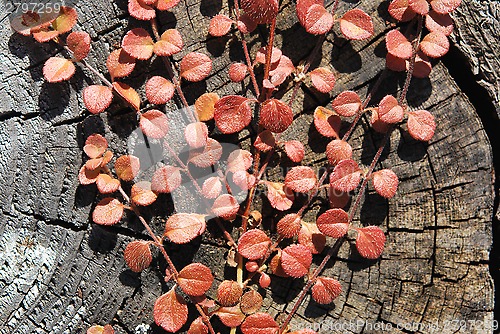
(323, 79)
(170, 311)
(138, 44)
(275, 115)
(87, 176)
(338, 150)
(195, 279)
(356, 24)
(394, 63)
(346, 176)
(220, 25)
(385, 182)
(129, 94)
(29, 20)
(79, 43)
(154, 124)
(435, 45)
(42, 34)
(325, 290)
(206, 156)
(237, 72)
(260, 11)
(166, 4)
(166, 179)
(422, 67)
(265, 141)
(58, 69)
(275, 265)
(259, 323)
(140, 10)
(398, 45)
(264, 280)
(333, 223)
(127, 167)
(347, 103)
(246, 25)
(120, 64)
(301, 179)
(302, 8)
(401, 11)
(108, 211)
(95, 146)
(445, 6)
(226, 207)
(281, 70)
(205, 106)
(141, 194)
(442, 23)
(370, 242)
(212, 187)
(289, 226)
(262, 53)
(327, 122)
(421, 125)
(389, 110)
(295, 150)
(318, 20)
(239, 160)
(419, 6)
(181, 228)
(196, 134)
(244, 180)
(198, 327)
(66, 19)
(195, 66)
(338, 199)
(251, 302)
(159, 90)
(296, 260)
(169, 44)
(106, 184)
(279, 199)
(138, 255)
(230, 316)
(312, 238)
(97, 98)
(253, 244)
(229, 293)
(232, 114)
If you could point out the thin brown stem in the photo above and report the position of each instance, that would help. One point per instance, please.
(409, 73)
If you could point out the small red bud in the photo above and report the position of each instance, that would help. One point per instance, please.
(252, 266)
(264, 280)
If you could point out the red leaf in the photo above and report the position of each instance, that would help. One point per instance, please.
(325, 290)
(264, 280)
(295, 150)
(394, 63)
(327, 122)
(226, 207)
(206, 156)
(262, 53)
(154, 124)
(195, 279)
(97, 98)
(138, 255)
(205, 106)
(275, 115)
(289, 226)
(229, 293)
(159, 90)
(195, 66)
(265, 141)
(377, 124)
(246, 25)
(419, 6)
(398, 45)
(435, 45)
(323, 79)
(333, 223)
(251, 302)
(166, 4)
(445, 6)
(401, 11)
(212, 187)
(138, 44)
(140, 10)
(42, 34)
(237, 72)
(356, 24)
(442, 23)
(232, 114)
(338, 199)
(279, 199)
(346, 176)
(106, 184)
(220, 25)
(28, 21)
(95, 146)
(302, 8)
(296, 260)
(166, 179)
(108, 211)
(259, 323)
(421, 125)
(370, 242)
(87, 176)
(312, 238)
(79, 43)
(389, 110)
(198, 327)
(275, 265)
(244, 180)
(169, 44)
(66, 19)
(128, 94)
(196, 134)
(181, 228)
(301, 179)
(253, 244)
(385, 182)
(347, 103)
(141, 194)
(58, 69)
(127, 167)
(422, 67)
(120, 64)
(239, 160)
(260, 11)
(318, 20)
(170, 311)
(281, 69)
(338, 150)
(230, 316)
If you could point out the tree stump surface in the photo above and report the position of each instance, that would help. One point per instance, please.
(60, 273)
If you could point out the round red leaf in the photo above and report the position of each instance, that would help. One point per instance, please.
(106, 184)
(79, 43)
(232, 114)
(356, 24)
(347, 103)
(398, 45)
(166, 4)
(159, 90)
(220, 25)
(141, 194)
(166, 179)
(253, 244)
(205, 106)
(229, 293)
(279, 198)
(338, 150)
(318, 20)
(212, 187)
(138, 44)
(140, 10)
(170, 311)
(206, 156)
(239, 160)
(198, 327)
(421, 125)
(87, 176)
(265, 141)
(327, 122)
(57, 69)
(195, 279)
(262, 53)
(169, 44)
(401, 11)
(346, 176)
(325, 290)
(138, 255)
(323, 79)
(422, 67)
(43, 35)
(377, 124)
(338, 199)
(97, 98)
(154, 124)
(389, 110)
(246, 25)
(275, 115)
(295, 150)
(127, 167)
(302, 8)
(120, 64)
(181, 228)
(196, 134)
(195, 66)
(95, 146)
(435, 44)
(108, 211)
(66, 19)
(301, 179)
(28, 21)
(230, 316)
(442, 23)
(260, 11)
(226, 207)
(289, 226)
(333, 223)
(259, 323)
(312, 238)
(238, 72)
(296, 260)
(394, 63)
(370, 242)
(129, 94)
(419, 6)
(251, 302)
(385, 182)
(445, 6)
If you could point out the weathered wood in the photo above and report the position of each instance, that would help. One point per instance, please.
(60, 273)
